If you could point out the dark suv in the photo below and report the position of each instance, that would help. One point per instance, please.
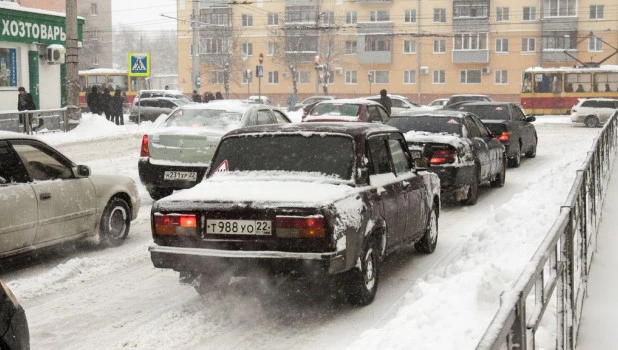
(510, 125)
(457, 100)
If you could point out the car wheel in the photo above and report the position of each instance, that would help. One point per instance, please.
(158, 193)
(427, 243)
(591, 121)
(514, 162)
(532, 152)
(362, 284)
(115, 222)
(473, 190)
(498, 181)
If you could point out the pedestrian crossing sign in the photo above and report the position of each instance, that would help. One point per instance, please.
(139, 64)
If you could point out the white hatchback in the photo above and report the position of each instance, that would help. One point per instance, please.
(593, 112)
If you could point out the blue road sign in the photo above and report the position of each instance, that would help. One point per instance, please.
(139, 64)
(259, 71)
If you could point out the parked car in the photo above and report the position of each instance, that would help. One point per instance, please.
(437, 103)
(510, 125)
(53, 200)
(593, 112)
(348, 110)
(400, 104)
(460, 148)
(175, 154)
(278, 199)
(258, 99)
(311, 100)
(151, 108)
(177, 94)
(14, 332)
(456, 101)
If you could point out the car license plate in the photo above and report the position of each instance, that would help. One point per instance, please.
(239, 227)
(180, 175)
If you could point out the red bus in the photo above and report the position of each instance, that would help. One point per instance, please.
(112, 79)
(557, 90)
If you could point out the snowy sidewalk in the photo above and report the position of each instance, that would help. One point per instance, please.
(599, 323)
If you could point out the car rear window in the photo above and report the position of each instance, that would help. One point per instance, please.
(215, 118)
(295, 153)
(336, 109)
(427, 123)
(488, 112)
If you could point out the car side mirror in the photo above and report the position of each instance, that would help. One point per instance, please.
(83, 171)
(421, 163)
(530, 119)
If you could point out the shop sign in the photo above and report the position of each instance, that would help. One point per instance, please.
(32, 27)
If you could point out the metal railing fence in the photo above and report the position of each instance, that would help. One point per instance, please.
(50, 120)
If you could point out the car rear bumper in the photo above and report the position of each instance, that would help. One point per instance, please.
(152, 175)
(200, 260)
(453, 178)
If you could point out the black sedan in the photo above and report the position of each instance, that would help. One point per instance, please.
(460, 149)
(279, 199)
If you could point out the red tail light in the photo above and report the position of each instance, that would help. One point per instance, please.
(443, 156)
(505, 136)
(175, 224)
(300, 227)
(144, 151)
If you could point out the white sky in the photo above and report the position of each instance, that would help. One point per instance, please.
(144, 14)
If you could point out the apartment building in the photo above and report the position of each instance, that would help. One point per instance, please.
(421, 49)
(96, 51)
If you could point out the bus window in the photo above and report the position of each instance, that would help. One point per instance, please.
(581, 82)
(138, 83)
(606, 81)
(118, 81)
(82, 83)
(96, 80)
(542, 82)
(556, 83)
(527, 85)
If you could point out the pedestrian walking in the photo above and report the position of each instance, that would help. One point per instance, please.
(25, 102)
(106, 106)
(196, 96)
(116, 107)
(386, 101)
(94, 101)
(218, 95)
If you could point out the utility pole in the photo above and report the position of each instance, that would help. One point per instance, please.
(72, 70)
(195, 58)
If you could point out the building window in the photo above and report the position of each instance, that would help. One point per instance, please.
(595, 44)
(439, 77)
(470, 76)
(379, 76)
(300, 14)
(213, 45)
(271, 50)
(379, 16)
(596, 11)
(560, 8)
(247, 49)
(327, 18)
(502, 45)
(470, 41)
(94, 34)
(439, 15)
(216, 77)
(409, 46)
(217, 19)
(559, 41)
(501, 76)
(409, 16)
(247, 20)
(528, 45)
(377, 43)
(246, 78)
(95, 59)
(350, 47)
(473, 9)
(273, 77)
(93, 9)
(8, 59)
(273, 19)
(351, 77)
(409, 77)
(303, 76)
(439, 46)
(350, 17)
(529, 13)
(502, 14)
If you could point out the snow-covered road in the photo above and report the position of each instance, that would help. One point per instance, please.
(114, 298)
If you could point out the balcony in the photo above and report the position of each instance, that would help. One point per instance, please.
(470, 56)
(373, 1)
(562, 24)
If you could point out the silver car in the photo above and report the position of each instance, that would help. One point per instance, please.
(48, 199)
(593, 112)
(151, 108)
(400, 104)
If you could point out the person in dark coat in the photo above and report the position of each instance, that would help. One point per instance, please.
(196, 97)
(116, 107)
(209, 96)
(386, 101)
(25, 102)
(94, 101)
(218, 95)
(106, 100)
